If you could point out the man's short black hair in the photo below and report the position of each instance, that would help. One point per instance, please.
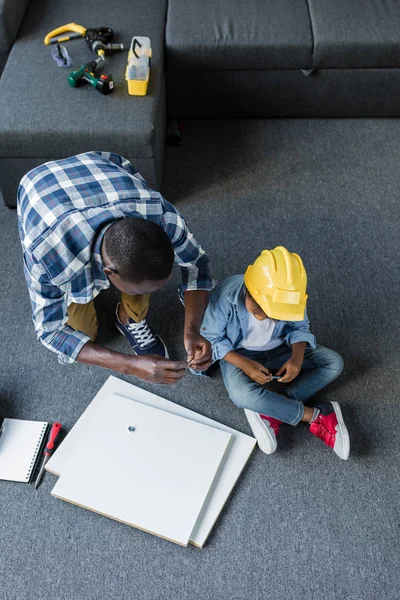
(139, 250)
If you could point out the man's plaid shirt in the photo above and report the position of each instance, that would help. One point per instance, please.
(64, 209)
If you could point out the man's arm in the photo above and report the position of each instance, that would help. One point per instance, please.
(196, 283)
(199, 351)
(149, 368)
(50, 315)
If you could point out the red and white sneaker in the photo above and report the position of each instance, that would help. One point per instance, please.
(330, 428)
(265, 430)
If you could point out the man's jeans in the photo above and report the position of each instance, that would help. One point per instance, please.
(82, 317)
(283, 401)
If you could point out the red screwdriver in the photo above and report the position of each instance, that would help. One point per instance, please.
(48, 451)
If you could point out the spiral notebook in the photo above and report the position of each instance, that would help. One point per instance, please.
(20, 445)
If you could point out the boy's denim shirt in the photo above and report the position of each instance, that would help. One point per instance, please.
(226, 320)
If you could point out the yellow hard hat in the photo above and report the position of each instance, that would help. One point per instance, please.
(277, 281)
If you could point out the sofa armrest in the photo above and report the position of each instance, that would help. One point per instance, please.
(11, 14)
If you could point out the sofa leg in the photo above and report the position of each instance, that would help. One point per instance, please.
(173, 134)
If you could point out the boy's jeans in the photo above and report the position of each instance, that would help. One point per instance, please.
(320, 367)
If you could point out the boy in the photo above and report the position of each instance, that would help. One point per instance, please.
(257, 325)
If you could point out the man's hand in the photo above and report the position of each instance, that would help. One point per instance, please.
(256, 371)
(156, 369)
(198, 350)
(291, 368)
(149, 368)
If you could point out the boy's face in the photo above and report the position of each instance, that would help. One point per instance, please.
(254, 308)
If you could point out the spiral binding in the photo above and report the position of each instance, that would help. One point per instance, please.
(37, 450)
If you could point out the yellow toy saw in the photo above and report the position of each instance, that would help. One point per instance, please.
(98, 39)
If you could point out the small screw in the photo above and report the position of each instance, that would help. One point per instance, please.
(131, 428)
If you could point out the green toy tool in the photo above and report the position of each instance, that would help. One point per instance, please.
(103, 84)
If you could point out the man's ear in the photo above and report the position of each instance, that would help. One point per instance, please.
(110, 272)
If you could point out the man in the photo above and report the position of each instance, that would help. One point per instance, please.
(91, 220)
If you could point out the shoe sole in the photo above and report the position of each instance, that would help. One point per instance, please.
(344, 449)
(133, 350)
(265, 439)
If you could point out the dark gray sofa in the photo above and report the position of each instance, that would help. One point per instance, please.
(220, 58)
(283, 58)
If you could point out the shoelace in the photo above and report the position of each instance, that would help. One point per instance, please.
(142, 333)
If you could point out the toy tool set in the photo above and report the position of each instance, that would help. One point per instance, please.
(100, 41)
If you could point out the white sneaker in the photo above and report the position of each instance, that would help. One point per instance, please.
(262, 430)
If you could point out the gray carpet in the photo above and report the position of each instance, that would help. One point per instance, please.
(300, 523)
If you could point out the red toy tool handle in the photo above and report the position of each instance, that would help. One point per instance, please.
(53, 435)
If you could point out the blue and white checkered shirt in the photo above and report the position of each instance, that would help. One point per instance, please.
(64, 209)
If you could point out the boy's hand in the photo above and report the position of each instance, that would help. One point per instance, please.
(256, 372)
(291, 368)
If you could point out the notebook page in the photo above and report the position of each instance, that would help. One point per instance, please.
(20, 444)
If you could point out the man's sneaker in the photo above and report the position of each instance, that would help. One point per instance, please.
(142, 340)
(265, 430)
(330, 428)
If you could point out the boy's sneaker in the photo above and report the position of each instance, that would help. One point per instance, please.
(142, 340)
(265, 430)
(330, 428)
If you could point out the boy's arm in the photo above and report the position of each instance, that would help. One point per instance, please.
(292, 367)
(298, 349)
(299, 331)
(298, 336)
(260, 374)
(252, 368)
(214, 323)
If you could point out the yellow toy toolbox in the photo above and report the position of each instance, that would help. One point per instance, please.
(137, 72)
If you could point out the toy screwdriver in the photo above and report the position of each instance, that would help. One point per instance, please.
(48, 451)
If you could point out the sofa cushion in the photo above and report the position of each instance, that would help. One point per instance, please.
(41, 115)
(237, 34)
(356, 33)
